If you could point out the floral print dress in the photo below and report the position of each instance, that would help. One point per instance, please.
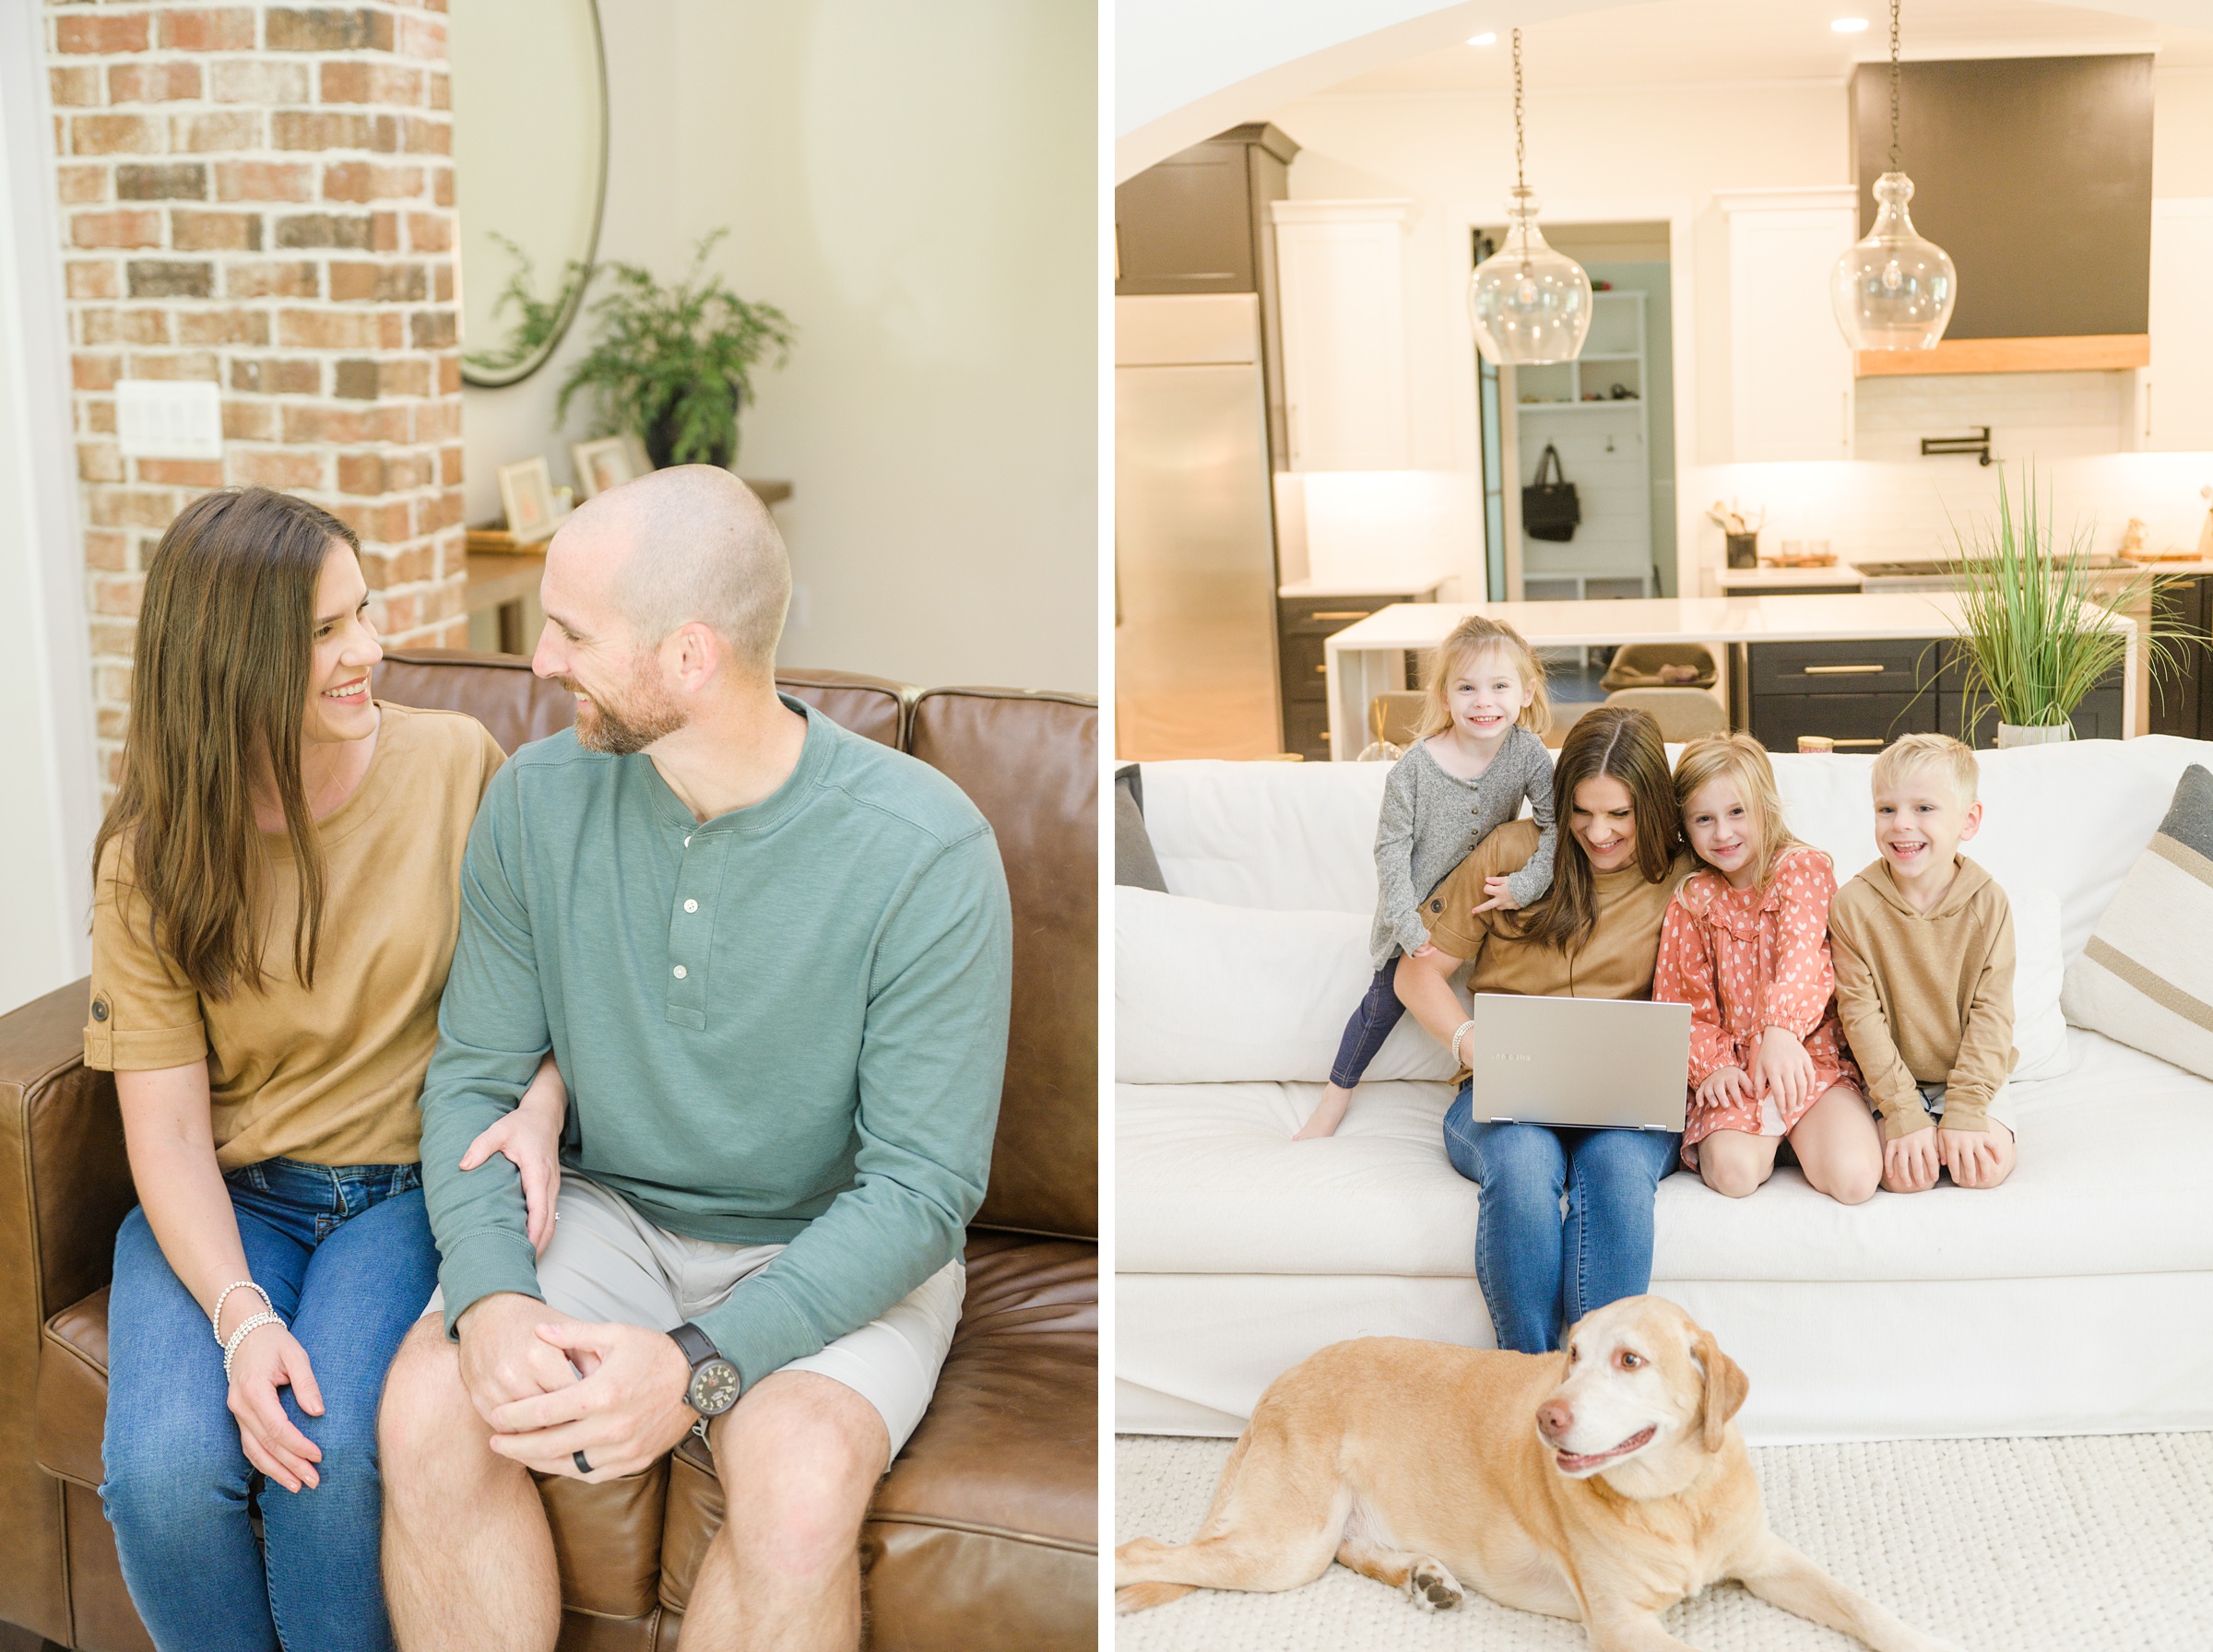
(1744, 960)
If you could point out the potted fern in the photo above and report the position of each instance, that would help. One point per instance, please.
(674, 364)
(2035, 629)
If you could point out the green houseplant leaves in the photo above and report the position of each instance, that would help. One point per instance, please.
(673, 364)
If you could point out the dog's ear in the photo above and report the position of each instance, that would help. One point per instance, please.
(1726, 1386)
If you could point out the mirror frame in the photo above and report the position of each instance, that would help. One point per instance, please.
(476, 377)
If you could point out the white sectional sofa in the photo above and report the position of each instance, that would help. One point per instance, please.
(2076, 1299)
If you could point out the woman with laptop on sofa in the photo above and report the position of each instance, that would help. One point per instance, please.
(1594, 935)
(275, 901)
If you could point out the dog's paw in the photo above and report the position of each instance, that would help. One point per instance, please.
(1433, 1588)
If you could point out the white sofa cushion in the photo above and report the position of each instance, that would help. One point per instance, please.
(1212, 994)
(1208, 1181)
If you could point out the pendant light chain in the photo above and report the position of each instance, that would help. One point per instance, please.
(1520, 182)
(1894, 85)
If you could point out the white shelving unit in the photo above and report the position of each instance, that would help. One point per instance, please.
(1604, 447)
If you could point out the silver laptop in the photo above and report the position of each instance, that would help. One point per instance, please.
(1602, 1063)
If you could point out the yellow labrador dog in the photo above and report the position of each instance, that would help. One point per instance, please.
(1604, 1483)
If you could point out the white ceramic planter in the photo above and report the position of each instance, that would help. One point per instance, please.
(2049, 734)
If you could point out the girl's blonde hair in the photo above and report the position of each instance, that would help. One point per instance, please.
(1471, 637)
(1741, 760)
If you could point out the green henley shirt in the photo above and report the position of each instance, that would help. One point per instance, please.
(786, 1025)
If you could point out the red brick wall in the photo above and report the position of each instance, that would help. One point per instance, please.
(263, 195)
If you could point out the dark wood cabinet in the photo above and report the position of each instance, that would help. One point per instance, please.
(1302, 623)
(2182, 702)
(1863, 695)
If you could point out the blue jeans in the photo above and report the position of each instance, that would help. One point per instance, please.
(1539, 1274)
(1370, 1025)
(345, 1254)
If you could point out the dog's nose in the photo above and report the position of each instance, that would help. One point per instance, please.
(1553, 1419)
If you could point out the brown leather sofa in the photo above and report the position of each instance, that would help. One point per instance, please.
(982, 1536)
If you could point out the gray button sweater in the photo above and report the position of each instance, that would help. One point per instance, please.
(1431, 820)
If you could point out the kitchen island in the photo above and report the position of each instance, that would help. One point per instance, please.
(1367, 659)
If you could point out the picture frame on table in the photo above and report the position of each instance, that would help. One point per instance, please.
(604, 464)
(527, 494)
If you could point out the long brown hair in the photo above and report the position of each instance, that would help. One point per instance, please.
(1471, 638)
(1614, 742)
(218, 686)
(1743, 761)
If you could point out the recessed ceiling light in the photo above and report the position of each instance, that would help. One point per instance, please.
(1849, 25)
(1492, 40)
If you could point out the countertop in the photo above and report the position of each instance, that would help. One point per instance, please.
(1775, 619)
(1374, 587)
(1784, 579)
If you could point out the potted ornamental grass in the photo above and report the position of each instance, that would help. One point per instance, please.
(674, 364)
(2035, 626)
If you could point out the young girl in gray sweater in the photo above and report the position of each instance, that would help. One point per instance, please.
(1477, 756)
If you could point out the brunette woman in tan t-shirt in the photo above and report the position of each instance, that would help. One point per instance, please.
(275, 901)
(1594, 934)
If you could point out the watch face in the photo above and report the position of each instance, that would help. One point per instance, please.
(713, 1387)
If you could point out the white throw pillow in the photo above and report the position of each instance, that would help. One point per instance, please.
(1210, 994)
(2039, 1033)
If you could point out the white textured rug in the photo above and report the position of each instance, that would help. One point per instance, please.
(2089, 1545)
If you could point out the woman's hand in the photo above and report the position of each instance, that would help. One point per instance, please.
(1723, 1086)
(530, 1137)
(1783, 1067)
(1500, 897)
(269, 1358)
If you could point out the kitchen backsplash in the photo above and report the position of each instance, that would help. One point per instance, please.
(1894, 509)
(2049, 414)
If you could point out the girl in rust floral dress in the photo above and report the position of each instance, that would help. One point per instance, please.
(1745, 945)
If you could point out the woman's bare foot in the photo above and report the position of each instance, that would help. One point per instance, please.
(1329, 1113)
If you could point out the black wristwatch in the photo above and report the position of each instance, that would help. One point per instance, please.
(715, 1381)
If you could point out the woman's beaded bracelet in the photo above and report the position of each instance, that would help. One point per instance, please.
(241, 1333)
(215, 1320)
(1460, 1033)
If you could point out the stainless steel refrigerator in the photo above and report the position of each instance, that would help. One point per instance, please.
(1195, 584)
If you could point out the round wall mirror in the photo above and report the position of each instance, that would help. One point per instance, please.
(529, 175)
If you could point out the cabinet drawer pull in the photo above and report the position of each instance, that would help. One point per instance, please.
(1843, 670)
(1340, 613)
(1322, 669)
(1839, 745)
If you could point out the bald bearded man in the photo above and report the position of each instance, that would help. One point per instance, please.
(772, 960)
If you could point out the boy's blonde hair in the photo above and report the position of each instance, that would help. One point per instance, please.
(1740, 759)
(1471, 637)
(1910, 754)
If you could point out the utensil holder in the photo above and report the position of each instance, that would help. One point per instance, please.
(1744, 549)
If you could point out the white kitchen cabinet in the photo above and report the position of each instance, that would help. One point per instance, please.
(1342, 271)
(2178, 385)
(1790, 373)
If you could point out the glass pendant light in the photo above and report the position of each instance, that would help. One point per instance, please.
(1893, 290)
(1529, 303)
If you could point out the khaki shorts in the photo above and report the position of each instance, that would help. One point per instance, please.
(2000, 1109)
(608, 1265)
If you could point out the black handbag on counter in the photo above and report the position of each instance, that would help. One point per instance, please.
(1549, 509)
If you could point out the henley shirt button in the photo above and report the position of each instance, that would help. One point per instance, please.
(687, 839)
(680, 972)
(691, 906)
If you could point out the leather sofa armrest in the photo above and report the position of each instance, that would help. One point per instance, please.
(65, 1181)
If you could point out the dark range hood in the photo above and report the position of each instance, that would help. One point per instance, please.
(2018, 165)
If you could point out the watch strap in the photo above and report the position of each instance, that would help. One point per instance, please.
(699, 1348)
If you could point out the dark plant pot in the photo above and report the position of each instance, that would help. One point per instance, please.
(660, 437)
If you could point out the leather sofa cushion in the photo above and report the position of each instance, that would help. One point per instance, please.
(993, 1503)
(502, 692)
(1000, 1480)
(1030, 762)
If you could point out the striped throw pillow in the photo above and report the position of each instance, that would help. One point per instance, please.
(2145, 979)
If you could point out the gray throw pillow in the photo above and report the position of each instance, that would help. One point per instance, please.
(2146, 978)
(1134, 862)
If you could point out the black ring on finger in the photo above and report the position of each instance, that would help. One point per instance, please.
(582, 1467)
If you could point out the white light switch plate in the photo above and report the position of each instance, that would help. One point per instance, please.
(169, 418)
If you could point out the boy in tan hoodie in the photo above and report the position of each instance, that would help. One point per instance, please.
(1922, 941)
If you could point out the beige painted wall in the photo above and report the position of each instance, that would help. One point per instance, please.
(916, 188)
